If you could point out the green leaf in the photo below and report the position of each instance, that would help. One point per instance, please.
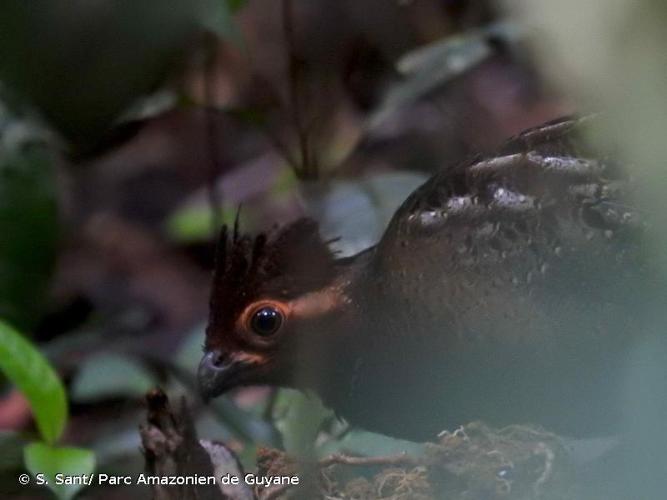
(29, 228)
(193, 223)
(358, 442)
(299, 418)
(30, 371)
(108, 376)
(48, 460)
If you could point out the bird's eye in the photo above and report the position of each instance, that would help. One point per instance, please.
(266, 321)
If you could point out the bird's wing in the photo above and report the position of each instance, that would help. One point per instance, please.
(543, 217)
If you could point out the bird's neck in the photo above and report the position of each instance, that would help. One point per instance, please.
(334, 343)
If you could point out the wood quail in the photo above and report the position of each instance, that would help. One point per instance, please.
(507, 289)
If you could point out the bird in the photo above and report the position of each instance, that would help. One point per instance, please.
(508, 288)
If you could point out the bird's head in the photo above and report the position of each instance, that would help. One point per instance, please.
(270, 296)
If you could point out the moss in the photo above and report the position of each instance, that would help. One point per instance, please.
(475, 462)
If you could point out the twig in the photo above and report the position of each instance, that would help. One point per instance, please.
(240, 423)
(294, 88)
(212, 133)
(399, 459)
(171, 448)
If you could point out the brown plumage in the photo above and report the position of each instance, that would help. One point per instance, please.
(293, 262)
(508, 289)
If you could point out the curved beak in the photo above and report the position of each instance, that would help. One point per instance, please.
(218, 373)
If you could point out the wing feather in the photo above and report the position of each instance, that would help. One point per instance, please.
(517, 239)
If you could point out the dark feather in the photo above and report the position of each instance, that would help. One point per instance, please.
(291, 262)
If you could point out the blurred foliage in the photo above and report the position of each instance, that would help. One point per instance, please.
(612, 55)
(235, 5)
(193, 223)
(364, 443)
(29, 370)
(83, 63)
(299, 417)
(26, 367)
(355, 212)
(42, 459)
(11, 445)
(109, 375)
(428, 68)
(28, 221)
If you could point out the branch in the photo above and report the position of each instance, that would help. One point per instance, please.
(294, 74)
(171, 448)
(399, 459)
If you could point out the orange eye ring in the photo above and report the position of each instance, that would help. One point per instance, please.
(265, 319)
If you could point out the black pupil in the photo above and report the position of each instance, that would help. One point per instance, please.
(266, 321)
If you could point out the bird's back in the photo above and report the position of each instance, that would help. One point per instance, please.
(508, 289)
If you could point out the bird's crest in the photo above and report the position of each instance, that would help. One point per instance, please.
(282, 264)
